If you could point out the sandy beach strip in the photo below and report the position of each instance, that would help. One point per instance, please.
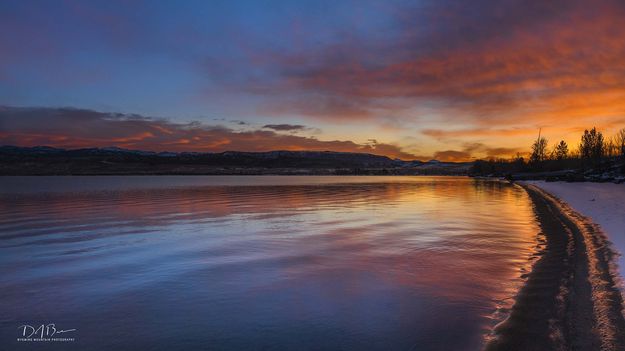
(570, 300)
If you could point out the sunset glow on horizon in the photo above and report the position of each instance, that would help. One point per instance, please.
(447, 80)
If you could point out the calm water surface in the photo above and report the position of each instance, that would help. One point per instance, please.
(260, 263)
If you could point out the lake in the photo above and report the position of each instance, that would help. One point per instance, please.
(260, 263)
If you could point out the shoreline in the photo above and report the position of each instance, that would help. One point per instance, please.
(571, 298)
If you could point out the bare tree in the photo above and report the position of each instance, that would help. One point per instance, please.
(619, 139)
(611, 149)
(539, 149)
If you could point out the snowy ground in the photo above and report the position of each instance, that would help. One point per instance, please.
(604, 203)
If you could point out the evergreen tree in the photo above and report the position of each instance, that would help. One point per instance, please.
(592, 147)
(561, 150)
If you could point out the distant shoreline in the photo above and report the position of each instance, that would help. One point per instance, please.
(242, 174)
(570, 299)
(114, 161)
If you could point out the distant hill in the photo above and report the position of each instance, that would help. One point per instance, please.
(43, 160)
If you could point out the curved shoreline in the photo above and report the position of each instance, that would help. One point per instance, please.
(570, 300)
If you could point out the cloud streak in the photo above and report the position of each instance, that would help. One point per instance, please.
(285, 127)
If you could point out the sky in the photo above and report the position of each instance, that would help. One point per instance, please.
(450, 80)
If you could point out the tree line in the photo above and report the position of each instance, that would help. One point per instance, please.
(594, 153)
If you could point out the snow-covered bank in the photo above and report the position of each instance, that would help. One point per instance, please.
(604, 203)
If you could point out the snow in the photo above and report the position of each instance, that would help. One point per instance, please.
(604, 203)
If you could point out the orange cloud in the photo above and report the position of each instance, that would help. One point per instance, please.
(74, 128)
(452, 156)
(479, 132)
(470, 150)
(529, 64)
